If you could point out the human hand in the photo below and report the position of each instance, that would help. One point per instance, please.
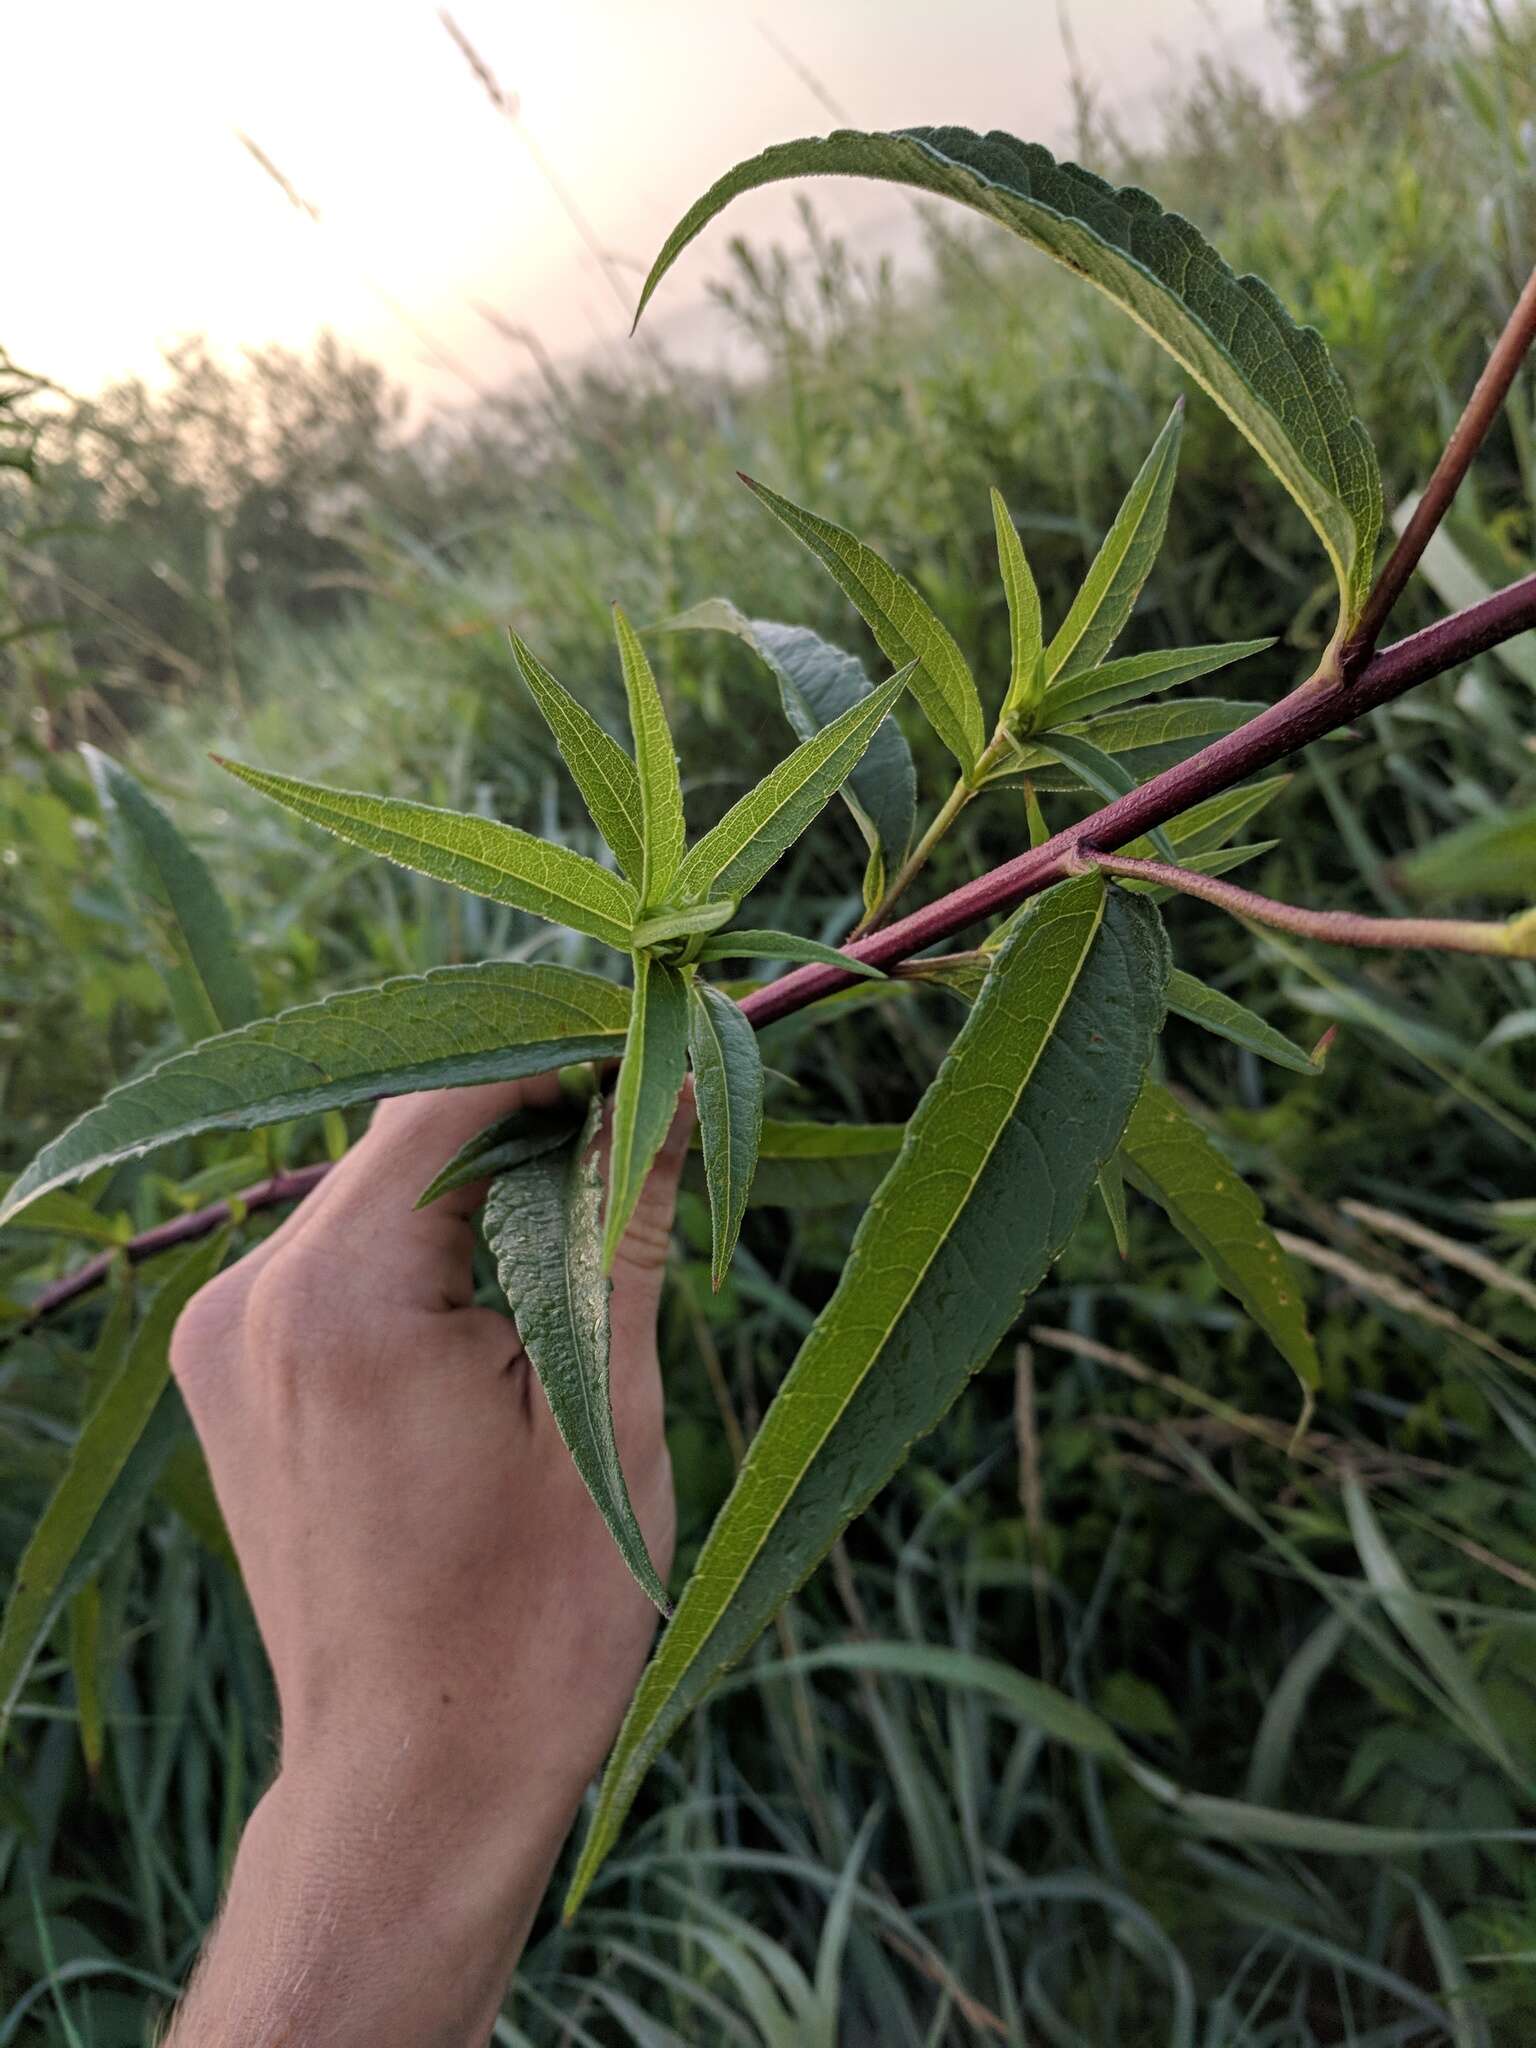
(452, 1632)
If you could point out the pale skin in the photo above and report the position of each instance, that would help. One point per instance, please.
(452, 1633)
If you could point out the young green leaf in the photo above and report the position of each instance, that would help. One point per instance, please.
(506, 1142)
(1272, 378)
(600, 768)
(691, 923)
(1208, 825)
(662, 828)
(817, 683)
(733, 857)
(650, 1080)
(478, 854)
(753, 945)
(210, 986)
(1169, 1157)
(103, 1483)
(905, 626)
(543, 1224)
(447, 1029)
(1144, 738)
(1026, 677)
(1087, 692)
(1123, 563)
(1228, 1018)
(728, 1094)
(997, 1164)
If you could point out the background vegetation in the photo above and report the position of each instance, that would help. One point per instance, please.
(866, 1847)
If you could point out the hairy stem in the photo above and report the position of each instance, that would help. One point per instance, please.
(1481, 409)
(1515, 939)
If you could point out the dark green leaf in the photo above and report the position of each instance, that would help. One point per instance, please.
(600, 768)
(543, 1224)
(448, 1029)
(728, 1094)
(1103, 774)
(477, 854)
(507, 1142)
(1144, 738)
(650, 1080)
(1170, 1158)
(1228, 1018)
(184, 917)
(1272, 378)
(997, 1164)
(904, 625)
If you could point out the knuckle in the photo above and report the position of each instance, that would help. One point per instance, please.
(209, 1327)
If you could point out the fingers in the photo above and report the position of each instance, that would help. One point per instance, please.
(414, 1257)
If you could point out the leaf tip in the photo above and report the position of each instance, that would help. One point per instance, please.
(1320, 1051)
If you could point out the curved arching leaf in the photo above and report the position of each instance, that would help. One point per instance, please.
(607, 778)
(447, 1029)
(1272, 378)
(662, 828)
(478, 854)
(728, 1094)
(645, 1095)
(993, 1174)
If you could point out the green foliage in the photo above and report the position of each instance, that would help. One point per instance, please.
(600, 768)
(543, 1226)
(1272, 378)
(1216, 1011)
(728, 1095)
(1169, 1157)
(662, 830)
(448, 1029)
(651, 1078)
(993, 1174)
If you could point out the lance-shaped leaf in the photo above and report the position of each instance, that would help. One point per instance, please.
(1103, 774)
(1086, 693)
(1208, 825)
(1272, 378)
(904, 624)
(1026, 670)
(600, 768)
(447, 1029)
(1123, 563)
(812, 1165)
(728, 1094)
(506, 1142)
(111, 1469)
(1112, 1195)
(662, 830)
(696, 921)
(543, 1224)
(1224, 1015)
(817, 683)
(997, 1164)
(478, 854)
(650, 1081)
(732, 858)
(756, 945)
(1143, 738)
(184, 916)
(1169, 1157)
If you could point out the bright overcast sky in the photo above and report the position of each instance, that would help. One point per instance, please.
(144, 219)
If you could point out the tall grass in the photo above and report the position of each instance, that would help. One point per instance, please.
(871, 1836)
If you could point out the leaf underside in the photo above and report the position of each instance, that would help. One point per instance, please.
(453, 1027)
(543, 1225)
(996, 1166)
(1271, 377)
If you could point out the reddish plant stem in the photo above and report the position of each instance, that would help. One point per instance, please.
(1318, 707)
(1331, 927)
(1479, 414)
